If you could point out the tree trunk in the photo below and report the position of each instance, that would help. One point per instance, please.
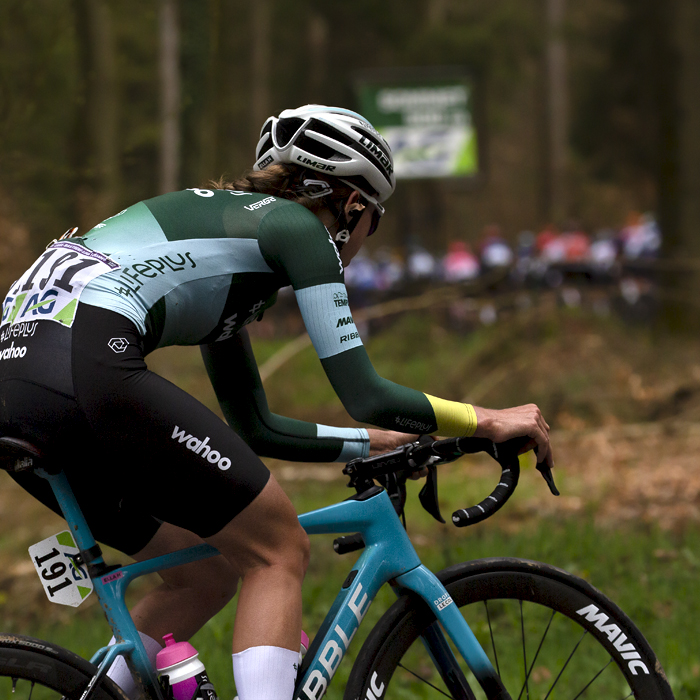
(678, 97)
(557, 112)
(169, 74)
(261, 21)
(96, 146)
(318, 34)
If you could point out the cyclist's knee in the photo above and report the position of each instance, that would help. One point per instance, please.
(266, 534)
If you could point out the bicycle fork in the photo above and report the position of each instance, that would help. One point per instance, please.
(423, 582)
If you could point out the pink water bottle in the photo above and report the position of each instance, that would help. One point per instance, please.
(188, 679)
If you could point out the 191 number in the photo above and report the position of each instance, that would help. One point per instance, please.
(52, 572)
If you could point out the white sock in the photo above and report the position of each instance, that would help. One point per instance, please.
(119, 672)
(265, 673)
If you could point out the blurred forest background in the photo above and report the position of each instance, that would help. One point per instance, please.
(586, 111)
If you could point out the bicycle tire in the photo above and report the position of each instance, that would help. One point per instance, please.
(505, 602)
(33, 668)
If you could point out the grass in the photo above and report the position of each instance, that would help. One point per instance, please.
(585, 373)
(651, 574)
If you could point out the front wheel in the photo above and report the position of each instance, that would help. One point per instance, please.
(548, 635)
(32, 668)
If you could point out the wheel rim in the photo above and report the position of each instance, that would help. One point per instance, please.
(539, 654)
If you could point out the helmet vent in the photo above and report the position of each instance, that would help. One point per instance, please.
(322, 128)
(286, 128)
(315, 148)
(265, 146)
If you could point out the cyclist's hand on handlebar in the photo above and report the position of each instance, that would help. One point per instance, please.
(381, 441)
(520, 421)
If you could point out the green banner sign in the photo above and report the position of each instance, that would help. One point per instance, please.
(428, 124)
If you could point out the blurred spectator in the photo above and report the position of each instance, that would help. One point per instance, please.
(603, 251)
(494, 250)
(389, 268)
(548, 234)
(362, 272)
(420, 264)
(460, 263)
(525, 247)
(640, 237)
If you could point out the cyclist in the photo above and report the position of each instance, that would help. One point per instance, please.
(153, 469)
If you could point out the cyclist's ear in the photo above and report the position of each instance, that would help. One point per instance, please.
(353, 203)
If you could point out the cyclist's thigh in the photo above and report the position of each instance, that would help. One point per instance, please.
(177, 459)
(52, 421)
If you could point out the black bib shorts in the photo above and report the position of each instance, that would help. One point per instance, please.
(137, 450)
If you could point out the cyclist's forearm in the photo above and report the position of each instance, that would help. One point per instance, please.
(272, 435)
(369, 398)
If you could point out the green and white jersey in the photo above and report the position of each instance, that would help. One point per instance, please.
(193, 268)
(196, 266)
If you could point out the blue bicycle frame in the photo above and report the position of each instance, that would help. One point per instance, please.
(388, 556)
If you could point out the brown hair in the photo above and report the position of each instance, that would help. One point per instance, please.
(284, 180)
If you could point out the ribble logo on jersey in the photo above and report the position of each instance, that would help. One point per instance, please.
(201, 448)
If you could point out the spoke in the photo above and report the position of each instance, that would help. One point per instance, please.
(522, 636)
(588, 685)
(427, 682)
(537, 653)
(493, 641)
(31, 690)
(563, 668)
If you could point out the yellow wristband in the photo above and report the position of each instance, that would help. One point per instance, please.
(453, 419)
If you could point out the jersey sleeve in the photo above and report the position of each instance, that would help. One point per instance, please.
(305, 251)
(234, 375)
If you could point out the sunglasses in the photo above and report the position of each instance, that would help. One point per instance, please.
(377, 213)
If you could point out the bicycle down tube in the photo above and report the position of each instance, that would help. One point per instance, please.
(388, 556)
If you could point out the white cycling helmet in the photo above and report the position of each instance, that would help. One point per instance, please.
(330, 140)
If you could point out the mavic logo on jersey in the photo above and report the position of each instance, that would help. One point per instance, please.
(261, 203)
(618, 638)
(315, 164)
(201, 448)
(347, 321)
(377, 153)
(229, 326)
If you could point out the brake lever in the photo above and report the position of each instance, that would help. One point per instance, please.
(428, 495)
(543, 468)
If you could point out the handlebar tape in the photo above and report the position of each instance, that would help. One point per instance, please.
(510, 474)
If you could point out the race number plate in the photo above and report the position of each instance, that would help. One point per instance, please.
(64, 582)
(51, 287)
